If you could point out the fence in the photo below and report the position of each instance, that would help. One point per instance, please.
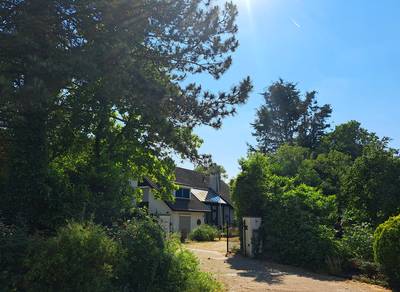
(232, 238)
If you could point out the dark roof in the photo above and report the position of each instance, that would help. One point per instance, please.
(194, 180)
(191, 178)
(192, 205)
(198, 180)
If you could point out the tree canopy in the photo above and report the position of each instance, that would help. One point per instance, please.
(287, 118)
(212, 168)
(92, 97)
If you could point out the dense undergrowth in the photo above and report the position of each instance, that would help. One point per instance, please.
(87, 257)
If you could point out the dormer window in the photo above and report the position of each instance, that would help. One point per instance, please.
(182, 193)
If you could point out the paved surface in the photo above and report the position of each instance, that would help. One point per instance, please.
(243, 274)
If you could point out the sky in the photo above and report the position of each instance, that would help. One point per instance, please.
(346, 50)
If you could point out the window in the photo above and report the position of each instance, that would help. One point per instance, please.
(183, 193)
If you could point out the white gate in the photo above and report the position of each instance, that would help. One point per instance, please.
(250, 229)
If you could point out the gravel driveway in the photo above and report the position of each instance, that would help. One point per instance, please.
(243, 274)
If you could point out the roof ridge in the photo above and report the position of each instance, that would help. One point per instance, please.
(192, 170)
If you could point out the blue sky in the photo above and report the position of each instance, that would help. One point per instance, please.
(349, 51)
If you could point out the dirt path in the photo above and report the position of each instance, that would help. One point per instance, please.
(242, 274)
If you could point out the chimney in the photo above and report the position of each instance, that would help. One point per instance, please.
(215, 181)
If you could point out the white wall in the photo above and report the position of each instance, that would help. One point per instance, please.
(156, 207)
(159, 207)
(194, 216)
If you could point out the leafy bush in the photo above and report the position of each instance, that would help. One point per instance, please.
(358, 240)
(151, 263)
(14, 242)
(79, 258)
(204, 233)
(387, 249)
(296, 229)
(297, 219)
(183, 270)
(83, 257)
(142, 242)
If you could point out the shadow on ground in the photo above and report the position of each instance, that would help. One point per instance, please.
(271, 273)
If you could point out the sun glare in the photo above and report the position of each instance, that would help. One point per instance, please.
(248, 5)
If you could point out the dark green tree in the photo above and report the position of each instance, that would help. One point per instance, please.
(296, 219)
(372, 185)
(313, 122)
(326, 172)
(212, 168)
(286, 118)
(350, 138)
(287, 160)
(99, 83)
(250, 186)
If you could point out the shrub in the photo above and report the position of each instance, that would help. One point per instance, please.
(14, 242)
(358, 240)
(183, 272)
(151, 263)
(83, 257)
(143, 247)
(202, 282)
(204, 233)
(79, 258)
(387, 249)
(296, 229)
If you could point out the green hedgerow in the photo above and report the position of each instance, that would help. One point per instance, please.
(296, 231)
(143, 246)
(79, 258)
(152, 263)
(387, 250)
(134, 256)
(358, 240)
(204, 233)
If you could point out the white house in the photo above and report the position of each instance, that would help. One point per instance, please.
(200, 200)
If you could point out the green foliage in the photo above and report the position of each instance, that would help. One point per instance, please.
(387, 249)
(202, 281)
(287, 160)
(183, 272)
(141, 268)
(107, 90)
(250, 185)
(357, 241)
(212, 168)
(204, 233)
(356, 247)
(93, 101)
(78, 258)
(300, 193)
(331, 167)
(14, 243)
(372, 183)
(151, 263)
(326, 172)
(297, 220)
(84, 257)
(296, 227)
(286, 118)
(350, 138)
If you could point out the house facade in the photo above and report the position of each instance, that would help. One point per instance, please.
(200, 199)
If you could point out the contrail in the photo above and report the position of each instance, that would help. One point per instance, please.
(295, 23)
